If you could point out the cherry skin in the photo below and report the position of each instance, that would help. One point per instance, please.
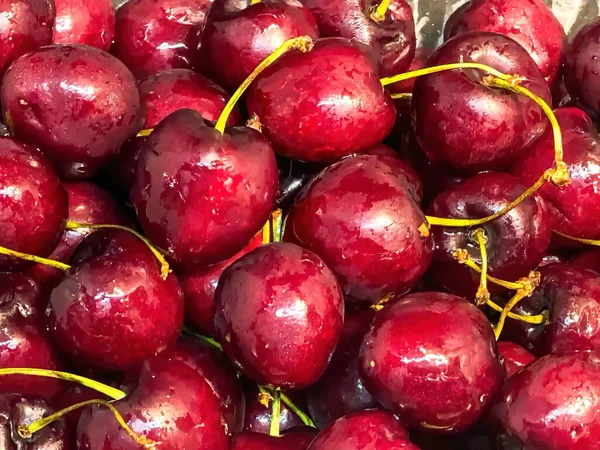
(33, 203)
(201, 195)
(363, 431)
(331, 95)
(173, 405)
(16, 410)
(279, 315)
(529, 22)
(27, 25)
(575, 205)
(257, 441)
(391, 40)
(224, 8)
(113, 294)
(361, 216)
(153, 35)
(76, 102)
(249, 36)
(516, 241)
(258, 417)
(84, 22)
(515, 357)
(431, 357)
(553, 403)
(24, 340)
(447, 104)
(293, 176)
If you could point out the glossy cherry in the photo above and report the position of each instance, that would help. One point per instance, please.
(155, 35)
(33, 203)
(173, 405)
(279, 315)
(293, 176)
(529, 22)
(514, 356)
(258, 417)
(331, 95)
(112, 309)
(258, 441)
(362, 217)
(76, 102)
(553, 403)
(574, 206)
(84, 22)
(201, 195)
(249, 36)
(431, 357)
(516, 241)
(447, 104)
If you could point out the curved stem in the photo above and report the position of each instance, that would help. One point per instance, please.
(164, 265)
(206, 339)
(302, 43)
(539, 319)
(109, 391)
(505, 284)
(37, 259)
(593, 242)
(483, 295)
(520, 295)
(401, 95)
(275, 413)
(378, 13)
(145, 133)
(305, 418)
(443, 68)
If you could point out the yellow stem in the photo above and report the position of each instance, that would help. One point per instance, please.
(302, 43)
(443, 68)
(144, 133)
(576, 239)
(275, 413)
(505, 284)
(164, 265)
(33, 258)
(483, 295)
(378, 13)
(277, 225)
(520, 295)
(540, 319)
(266, 233)
(401, 95)
(109, 391)
(254, 2)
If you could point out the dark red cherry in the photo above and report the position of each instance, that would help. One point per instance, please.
(27, 25)
(249, 36)
(199, 285)
(331, 95)
(258, 417)
(361, 216)
(17, 410)
(279, 315)
(33, 203)
(529, 22)
(112, 309)
(575, 205)
(515, 357)
(554, 403)
(84, 22)
(24, 340)
(516, 241)
(364, 430)
(431, 357)
(155, 35)
(173, 405)
(258, 441)
(447, 104)
(391, 40)
(224, 8)
(76, 102)
(201, 195)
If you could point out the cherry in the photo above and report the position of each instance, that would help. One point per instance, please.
(293, 176)
(224, 8)
(172, 405)
(418, 62)
(153, 35)
(258, 417)
(33, 203)
(516, 242)
(431, 357)
(529, 22)
(391, 38)
(201, 194)
(199, 285)
(250, 35)
(333, 97)
(446, 104)
(76, 102)
(553, 403)
(573, 206)
(112, 310)
(84, 22)
(27, 26)
(362, 431)
(24, 340)
(362, 217)
(279, 315)
(515, 357)
(258, 441)
(17, 410)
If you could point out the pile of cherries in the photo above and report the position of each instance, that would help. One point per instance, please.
(279, 225)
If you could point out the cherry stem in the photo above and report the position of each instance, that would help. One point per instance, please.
(144, 133)
(483, 294)
(302, 43)
(305, 418)
(520, 295)
(382, 302)
(463, 257)
(164, 265)
(275, 412)
(593, 242)
(266, 233)
(37, 259)
(206, 339)
(109, 391)
(254, 2)
(277, 225)
(399, 95)
(539, 319)
(378, 13)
